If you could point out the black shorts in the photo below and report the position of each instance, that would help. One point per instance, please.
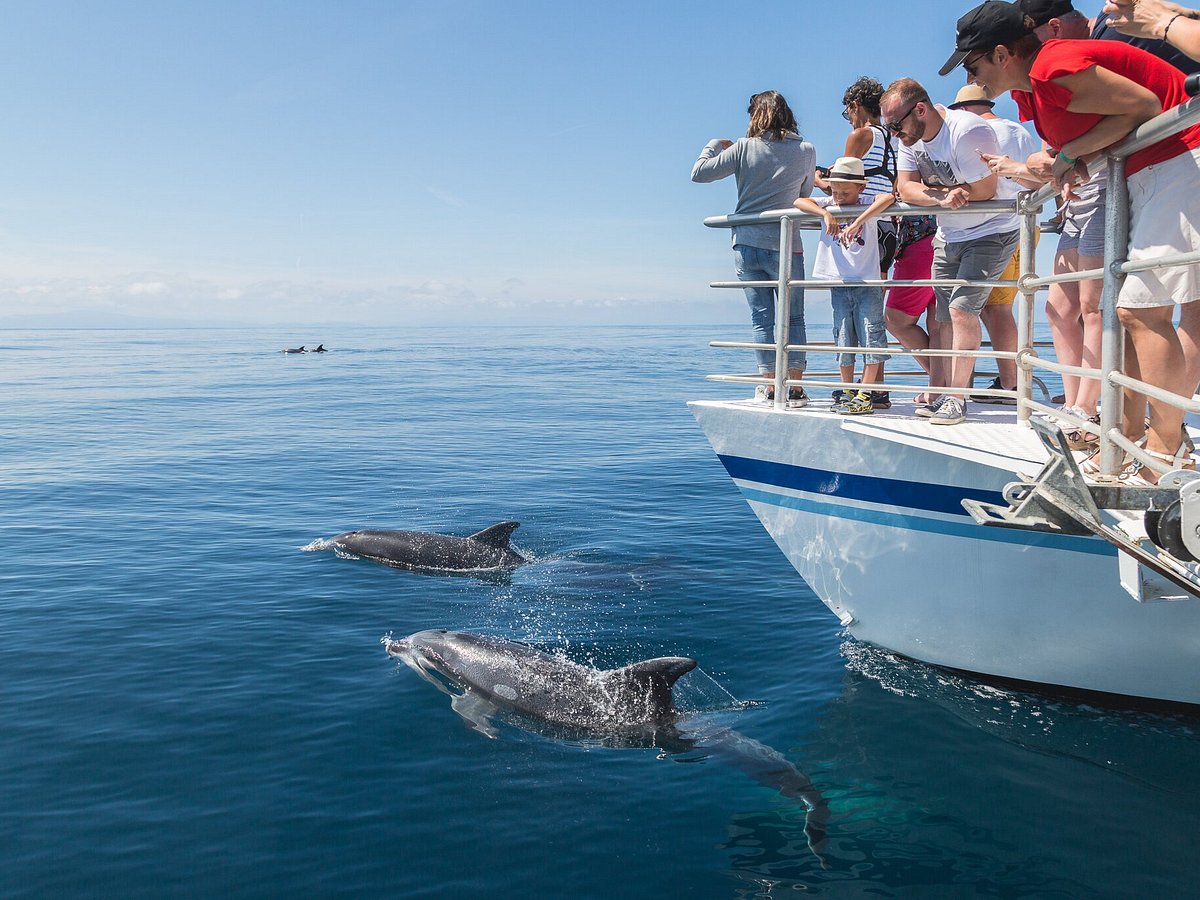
(888, 240)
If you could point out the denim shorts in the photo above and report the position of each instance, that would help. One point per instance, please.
(858, 321)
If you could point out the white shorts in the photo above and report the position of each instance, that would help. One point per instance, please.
(1164, 206)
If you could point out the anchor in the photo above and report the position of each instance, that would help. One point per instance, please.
(1060, 500)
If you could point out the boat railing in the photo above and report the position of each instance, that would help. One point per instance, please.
(1114, 380)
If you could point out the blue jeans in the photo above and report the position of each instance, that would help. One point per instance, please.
(756, 264)
(858, 321)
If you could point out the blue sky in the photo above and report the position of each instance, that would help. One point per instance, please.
(406, 161)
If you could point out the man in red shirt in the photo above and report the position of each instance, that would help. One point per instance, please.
(1085, 96)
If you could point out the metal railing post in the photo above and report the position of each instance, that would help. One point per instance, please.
(1112, 346)
(783, 311)
(1027, 249)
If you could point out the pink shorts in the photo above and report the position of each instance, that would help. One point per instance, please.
(916, 262)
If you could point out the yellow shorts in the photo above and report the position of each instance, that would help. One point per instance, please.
(1006, 295)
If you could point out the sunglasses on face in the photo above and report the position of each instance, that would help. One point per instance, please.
(971, 64)
(898, 125)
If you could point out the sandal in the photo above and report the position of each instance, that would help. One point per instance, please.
(1137, 472)
(1091, 465)
(1083, 438)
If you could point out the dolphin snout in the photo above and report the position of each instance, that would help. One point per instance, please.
(396, 648)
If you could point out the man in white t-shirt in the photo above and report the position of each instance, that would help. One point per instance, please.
(1016, 143)
(940, 164)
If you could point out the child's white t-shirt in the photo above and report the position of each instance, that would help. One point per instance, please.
(857, 262)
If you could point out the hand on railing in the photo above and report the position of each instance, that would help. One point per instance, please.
(956, 198)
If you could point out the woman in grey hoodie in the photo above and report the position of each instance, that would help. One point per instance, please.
(773, 165)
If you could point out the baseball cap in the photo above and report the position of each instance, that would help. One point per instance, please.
(987, 25)
(1042, 11)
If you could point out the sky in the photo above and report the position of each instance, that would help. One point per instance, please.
(408, 161)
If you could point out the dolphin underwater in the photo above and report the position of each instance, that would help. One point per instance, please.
(632, 706)
(484, 551)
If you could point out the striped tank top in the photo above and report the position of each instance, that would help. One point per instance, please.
(878, 184)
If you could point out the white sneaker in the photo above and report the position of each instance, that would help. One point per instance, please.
(763, 394)
(951, 412)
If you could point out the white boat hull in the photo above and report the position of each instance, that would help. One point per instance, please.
(868, 511)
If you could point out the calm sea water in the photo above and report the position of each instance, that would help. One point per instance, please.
(194, 706)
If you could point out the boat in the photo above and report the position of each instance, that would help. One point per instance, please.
(981, 547)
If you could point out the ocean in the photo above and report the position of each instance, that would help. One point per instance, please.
(196, 705)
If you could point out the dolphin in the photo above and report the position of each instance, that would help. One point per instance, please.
(320, 349)
(299, 349)
(484, 551)
(544, 687)
(633, 706)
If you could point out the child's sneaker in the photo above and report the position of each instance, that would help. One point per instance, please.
(858, 405)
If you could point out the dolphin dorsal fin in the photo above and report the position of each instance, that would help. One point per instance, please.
(497, 535)
(656, 677)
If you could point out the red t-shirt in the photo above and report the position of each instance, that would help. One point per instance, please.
(1047, 104)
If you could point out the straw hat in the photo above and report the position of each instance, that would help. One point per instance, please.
(847, 168)
(971, 95)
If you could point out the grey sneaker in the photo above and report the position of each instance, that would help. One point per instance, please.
(929, 409)
(951, 412)
(796, 398)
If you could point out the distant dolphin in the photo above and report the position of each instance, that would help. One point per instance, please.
(632, 706)
(484, 551)
(320, 349)
(299, 349)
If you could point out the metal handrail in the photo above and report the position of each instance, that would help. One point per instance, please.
(1027, 205)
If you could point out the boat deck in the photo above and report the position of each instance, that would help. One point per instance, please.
(990, 435)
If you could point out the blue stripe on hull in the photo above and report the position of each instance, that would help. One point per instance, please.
(867, 488)
(915, 496)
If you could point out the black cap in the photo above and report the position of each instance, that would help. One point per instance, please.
(1042, 11)
(986, 26)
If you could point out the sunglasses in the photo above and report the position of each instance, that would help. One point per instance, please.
(970, 64)
(897, 126)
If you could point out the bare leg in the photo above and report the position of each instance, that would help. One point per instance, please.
(1093, 333)
(966, 335)
(1189, 339)
(941, 337)
(1160, 361)
(1066, 329)
(911, 335)
(1002, 330)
